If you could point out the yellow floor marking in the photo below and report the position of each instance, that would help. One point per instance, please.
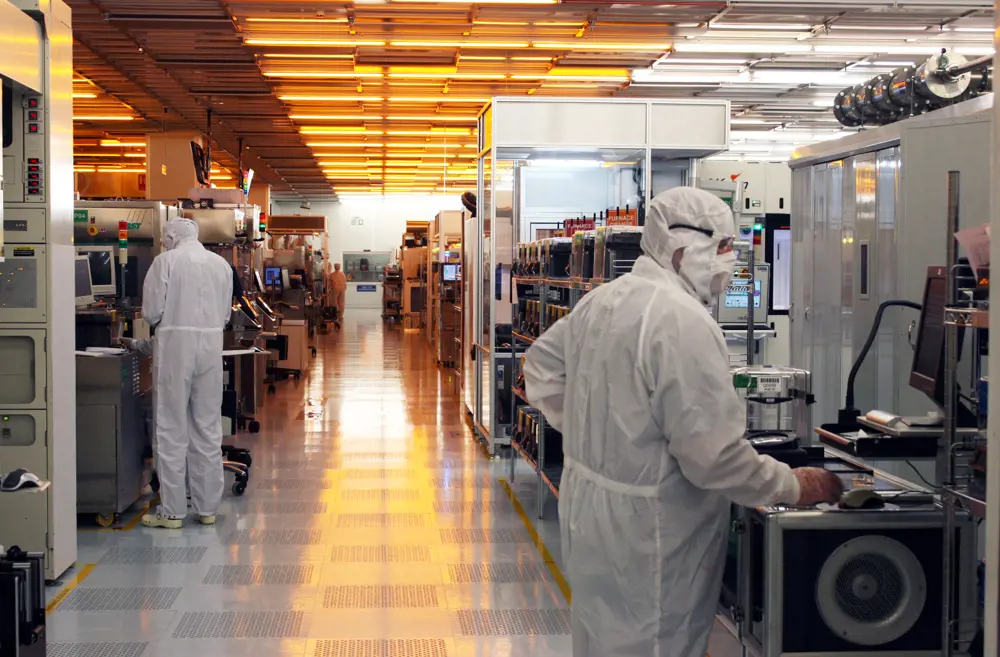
(84, 573)
(550, 562)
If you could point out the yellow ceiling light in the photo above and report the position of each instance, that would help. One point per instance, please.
(590, 46)
(433, 117)
(292, 55)
(483, 58)
(571, 85)
(335, 117)
(79, 95)
(323, 75)
(119, 170)
(313, 43)
(482, 2)
(434, 145)
(458, 44)
(330, 99)
(84, 169)
(116, 143)
(581, 74)
(433, 132)
(338, 130)
(511, 23)
(344, 144)
(102, 117)
(531, 59)
(448, 76)
(262, 19)
(436, 99)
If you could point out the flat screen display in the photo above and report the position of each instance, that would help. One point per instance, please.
(272, 276)
(450, 273)
(736, 294)
(82, 277)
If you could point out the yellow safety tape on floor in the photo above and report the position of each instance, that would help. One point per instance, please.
(84, 573)
(550, 562)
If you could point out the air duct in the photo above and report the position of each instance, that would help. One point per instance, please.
(942, 80)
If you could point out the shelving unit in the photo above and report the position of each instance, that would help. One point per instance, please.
(960, 486)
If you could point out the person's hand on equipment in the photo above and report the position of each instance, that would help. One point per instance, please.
(817, 485)
(130, 344)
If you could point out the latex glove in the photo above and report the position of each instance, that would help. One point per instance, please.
(130, 344)
(817, 485)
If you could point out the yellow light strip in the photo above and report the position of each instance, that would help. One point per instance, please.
(433, 117)
(292, 55)
(448, 76)
(320, 75)
(588, 46)
(479, 2)
(345, 144)
(430, 133)
(458, 44)
(76, 95)
(338, 130)
(110, 117)
(113, 155)
(119, 170)
(320, 43)
(436, 99)
(331, 99)
(335, 117)
(261, 19)
(115, 143)
(84, 169)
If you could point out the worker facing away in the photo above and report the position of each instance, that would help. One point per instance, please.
(187, 298)
(338, 291)
(637, 379)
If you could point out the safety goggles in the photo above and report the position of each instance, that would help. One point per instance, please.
(725, 241)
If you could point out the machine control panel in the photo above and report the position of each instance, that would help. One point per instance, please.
(34, 176)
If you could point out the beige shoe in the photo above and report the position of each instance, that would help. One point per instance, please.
(157, 520)
(206, 520)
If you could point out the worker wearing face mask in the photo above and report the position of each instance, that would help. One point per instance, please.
(637, 378)
(187, 298)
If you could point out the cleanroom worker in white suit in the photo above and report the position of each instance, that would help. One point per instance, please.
(637, 378)
(187, 298)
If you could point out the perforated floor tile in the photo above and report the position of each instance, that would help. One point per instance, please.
(380, 597)
(120, 599)
(253, 575)
(122, 556)
(288, 508)
(380, 553)
(96, 649)
(380, 495)
(497, 573)
(461, 536)
(283, 483)
(513, 622)
(381, 648)
(275, 537)
(241, 625)
(448, 506)
(369, 520)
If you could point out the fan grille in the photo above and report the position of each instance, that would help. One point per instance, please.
(870, 588)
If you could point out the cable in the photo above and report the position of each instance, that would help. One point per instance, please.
(849, 408)
(926, 483)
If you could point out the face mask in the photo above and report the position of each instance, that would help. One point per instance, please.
(722, 274)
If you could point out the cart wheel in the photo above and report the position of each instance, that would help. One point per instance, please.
(254, 426)
(239, 488)
(313, 349)
(105, 520)
(271, 389)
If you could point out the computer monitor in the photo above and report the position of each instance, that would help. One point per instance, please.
(732, 307)
(450, 273)
(286, 282)
(258, 281)
(272, 276)
(84, 288)
(103, 269)
(927, 372)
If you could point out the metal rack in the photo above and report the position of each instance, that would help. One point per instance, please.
(958, 486)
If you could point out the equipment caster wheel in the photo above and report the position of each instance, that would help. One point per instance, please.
(313, 350)
(107, 520)
(239, 488)
(271, 389)
(253, 426)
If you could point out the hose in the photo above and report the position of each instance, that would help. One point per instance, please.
(849, 396)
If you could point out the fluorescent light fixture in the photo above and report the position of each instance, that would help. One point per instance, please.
(292, 55)
(973, 51)
(457, 44)
(115, 143)
(436, 99)
(261, 19)
(753, 122)
(737, 47)
(84, 169)
(101, 117)
(331, 99)
(448, 76)
(979, 30)
(79, 95)
(337, 130)
(880, 28)
(480, 2)
(671, 61)
(875, 48)
(335, 117)
(770, 27)
(584, 45)
(648, 76)
(119, 170)
(433, 117)
(889, 65)
(315, 43)
(344, 144)
(439, 132)
(320, 75)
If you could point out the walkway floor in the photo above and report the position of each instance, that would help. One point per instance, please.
(373, 526)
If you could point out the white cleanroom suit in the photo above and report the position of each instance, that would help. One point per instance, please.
(637, 378)
(187, 297)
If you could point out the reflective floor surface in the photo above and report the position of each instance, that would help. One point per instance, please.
(373, 526)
